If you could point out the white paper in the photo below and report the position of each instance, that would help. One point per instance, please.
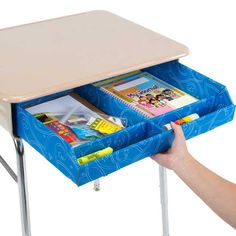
(62, 105)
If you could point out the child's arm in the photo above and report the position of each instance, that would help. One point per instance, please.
(218, 193)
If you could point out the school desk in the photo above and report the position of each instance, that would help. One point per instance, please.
(42, 60)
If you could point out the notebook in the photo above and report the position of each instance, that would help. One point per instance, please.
(146, 93)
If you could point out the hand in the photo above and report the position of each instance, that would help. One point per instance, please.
(177, 153)
(219, 194)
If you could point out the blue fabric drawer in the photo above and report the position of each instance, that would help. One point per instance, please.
(144, 137)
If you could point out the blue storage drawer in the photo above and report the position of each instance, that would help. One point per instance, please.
(142, 138)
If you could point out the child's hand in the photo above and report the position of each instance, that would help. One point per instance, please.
(177, 153)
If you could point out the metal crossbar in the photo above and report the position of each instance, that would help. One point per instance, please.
(8, 168)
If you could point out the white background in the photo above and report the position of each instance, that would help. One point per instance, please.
(129, 203)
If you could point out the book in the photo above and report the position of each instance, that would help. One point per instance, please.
(146, 93)
(75, 119)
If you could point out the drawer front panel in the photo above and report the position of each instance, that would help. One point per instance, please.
(153, 144)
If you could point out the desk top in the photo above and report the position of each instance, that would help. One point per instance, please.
(46, 57)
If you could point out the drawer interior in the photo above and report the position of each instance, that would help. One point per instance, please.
(143, 137)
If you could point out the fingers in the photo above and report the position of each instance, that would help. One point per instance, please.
(163, 159)
(158, 157)
(178, 131)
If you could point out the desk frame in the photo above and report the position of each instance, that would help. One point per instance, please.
(21, 180)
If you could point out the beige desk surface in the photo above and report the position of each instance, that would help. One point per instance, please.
(50, 56)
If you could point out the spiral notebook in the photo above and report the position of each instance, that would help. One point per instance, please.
(146, 93)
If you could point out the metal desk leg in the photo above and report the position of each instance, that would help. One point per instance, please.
(164, 200)
(22, 184)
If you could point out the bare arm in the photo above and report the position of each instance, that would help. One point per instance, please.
(218, 193)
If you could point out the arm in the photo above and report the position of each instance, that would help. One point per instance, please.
(218, 193)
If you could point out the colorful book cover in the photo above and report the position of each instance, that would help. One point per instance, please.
(147, 94)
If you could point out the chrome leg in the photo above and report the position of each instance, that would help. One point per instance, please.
(164, 200)
(22, 184)
(96, 185)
